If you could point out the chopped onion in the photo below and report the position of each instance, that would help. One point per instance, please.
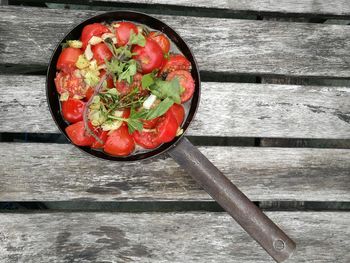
(147, 104)
(88, 53)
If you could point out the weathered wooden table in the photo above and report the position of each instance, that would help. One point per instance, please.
(274, 117)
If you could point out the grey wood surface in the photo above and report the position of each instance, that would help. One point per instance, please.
(226, 109)
(165, 237)
(54, 172)
(220, 45)
(338, 7)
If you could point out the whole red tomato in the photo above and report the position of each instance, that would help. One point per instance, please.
(150, 56)
(161, 39)
(72, 110)
(67, 59)
(119, 142)
(175, 62)
(76, 133)
(101, 52)
(95, 29)
(186, 82)
(123, 31)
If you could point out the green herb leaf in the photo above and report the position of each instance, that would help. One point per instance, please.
(134, 124)
(147, 80)
(167, 89)
(137, 39)
(161, 109)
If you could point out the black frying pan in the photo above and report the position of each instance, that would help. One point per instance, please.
(257, 224)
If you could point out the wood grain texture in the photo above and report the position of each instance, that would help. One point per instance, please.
(54, 172)
(251, 47)
(165, 237)
(254, 110)
(324, 7)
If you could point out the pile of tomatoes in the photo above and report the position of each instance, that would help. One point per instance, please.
(152, 57)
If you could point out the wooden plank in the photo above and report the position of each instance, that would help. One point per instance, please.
(305, 7)
(231, 46)
(189, 237)
(54, 172)
(226, 109)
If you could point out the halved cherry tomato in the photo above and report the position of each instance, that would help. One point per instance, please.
(95, 29)
(150, 56)
(161, 39)
(67, 59)
(103, 137)
(72, 110)
(149, 124)
(122, 32)
(166, 128)
(179, 113)
(175, 62)
(186, 81)
(70, 82)
(110, 83)
(125, 88)
(146, 139)
(101, 52)
(76, 133)
(120, 142)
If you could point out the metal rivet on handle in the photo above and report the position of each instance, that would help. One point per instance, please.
(278, 244)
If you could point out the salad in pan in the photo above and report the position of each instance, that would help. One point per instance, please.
(122, 88)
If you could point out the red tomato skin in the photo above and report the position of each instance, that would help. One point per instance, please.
(175, 62)
(166, 128)
(161, 39)
(186, 81)
(146, 139)
(110, 83)
(103, 135)
(125, 88)
(72, 110)
(101, 52)
(150, 56)
(179, 113)
(89, 93)
(122, 32)
(76, 133)
(119, 142)
(67, 59)
(150, 124)
(68, 82)
(95, 29)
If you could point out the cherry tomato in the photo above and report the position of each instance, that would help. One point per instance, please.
(71, 83)
(150, 124)
(103, 137)
(95, 29)
(186, 81)
(110, 83)
(119, 142)
(89, 93)
(101, 52)
(179, 113)
(146, 139)
(72, 110)
(175, 62)
(150, 56)
(161, 39)
(67, 59)
(123, 31)
(76, 133)
(125, 88)
(166, 128)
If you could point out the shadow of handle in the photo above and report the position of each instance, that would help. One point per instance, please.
(277, 244)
